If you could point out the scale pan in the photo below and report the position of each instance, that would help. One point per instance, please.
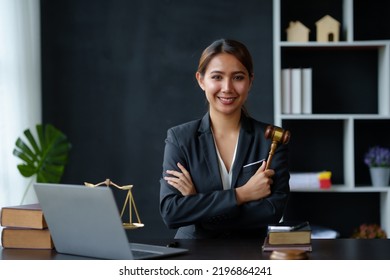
(132, 225)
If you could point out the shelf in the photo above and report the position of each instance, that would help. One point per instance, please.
(338, 45)
(346, 189)
(350, 98)
(342, 75)
(334, 117)
(368, 133)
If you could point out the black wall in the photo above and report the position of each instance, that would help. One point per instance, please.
(117, 74)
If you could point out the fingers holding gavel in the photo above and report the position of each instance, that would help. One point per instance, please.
(277, 135)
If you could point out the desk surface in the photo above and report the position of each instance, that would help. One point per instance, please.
(323, 249)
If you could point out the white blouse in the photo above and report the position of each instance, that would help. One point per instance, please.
(225, 175)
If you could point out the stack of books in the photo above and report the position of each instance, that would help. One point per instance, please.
(288, 236)
(24, 228)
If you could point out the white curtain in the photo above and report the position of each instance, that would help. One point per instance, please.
(20, 90)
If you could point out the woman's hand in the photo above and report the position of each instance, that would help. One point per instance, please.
(258, 186)
(181, 180)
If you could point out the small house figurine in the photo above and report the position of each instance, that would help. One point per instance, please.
(297, 32)
(328, 29)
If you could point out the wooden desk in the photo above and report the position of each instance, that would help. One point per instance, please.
(330, 249)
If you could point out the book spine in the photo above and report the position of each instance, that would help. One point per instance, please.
(26, 238)
(286, 91)
(296, 91)
(307, 91)
(22, 218)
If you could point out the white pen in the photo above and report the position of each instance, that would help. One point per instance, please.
(256, 162)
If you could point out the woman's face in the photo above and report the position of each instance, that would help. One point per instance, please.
(226, 84)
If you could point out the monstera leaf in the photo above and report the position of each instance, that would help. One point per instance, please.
(44, 157)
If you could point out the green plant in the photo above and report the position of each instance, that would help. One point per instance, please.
(43, 159)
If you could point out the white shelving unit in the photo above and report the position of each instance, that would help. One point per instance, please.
(349, 121)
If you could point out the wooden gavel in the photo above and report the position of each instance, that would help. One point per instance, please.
(277, 135)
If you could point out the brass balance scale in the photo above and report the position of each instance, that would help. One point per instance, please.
(129, 201)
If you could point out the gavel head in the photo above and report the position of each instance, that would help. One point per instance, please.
(277, 134)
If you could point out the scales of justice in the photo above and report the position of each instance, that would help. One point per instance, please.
(129, 201)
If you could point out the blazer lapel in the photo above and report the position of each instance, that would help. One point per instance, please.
(244, 143)
(207, 146)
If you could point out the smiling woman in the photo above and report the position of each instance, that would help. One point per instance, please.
(236, 58)
(226, 84)
(209, 186)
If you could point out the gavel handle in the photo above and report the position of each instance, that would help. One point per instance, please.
(271, 154)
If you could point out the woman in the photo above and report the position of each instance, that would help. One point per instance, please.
(215, 183)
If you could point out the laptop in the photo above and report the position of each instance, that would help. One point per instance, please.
(86, 222)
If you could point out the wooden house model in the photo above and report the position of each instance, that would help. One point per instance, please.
(297, 32)
(328, 29)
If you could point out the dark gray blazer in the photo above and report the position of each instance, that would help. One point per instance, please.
(213, 212)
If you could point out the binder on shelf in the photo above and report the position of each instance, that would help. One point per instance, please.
(286, 91)
(306, 90)
(296, 91)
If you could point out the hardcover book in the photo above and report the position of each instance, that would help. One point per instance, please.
(23, 216)
(289, 233)
(267, 247)
(24, 238)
